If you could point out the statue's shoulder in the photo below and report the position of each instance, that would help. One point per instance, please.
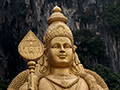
(22, 80)
(93, 78)
(19, 80)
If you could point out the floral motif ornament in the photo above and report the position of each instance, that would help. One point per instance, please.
(30, 48)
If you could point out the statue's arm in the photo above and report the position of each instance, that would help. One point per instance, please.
(99, 87)
(84, 85)
(100, 82)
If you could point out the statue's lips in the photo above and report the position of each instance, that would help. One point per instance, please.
(62, 55)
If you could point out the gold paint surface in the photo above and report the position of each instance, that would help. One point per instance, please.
(58, 67)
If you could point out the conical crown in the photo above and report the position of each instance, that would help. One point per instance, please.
(57, 27)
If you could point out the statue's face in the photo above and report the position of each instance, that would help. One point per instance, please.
(60, 52)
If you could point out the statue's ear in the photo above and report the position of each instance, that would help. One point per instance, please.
(74, 47)
(45, 50)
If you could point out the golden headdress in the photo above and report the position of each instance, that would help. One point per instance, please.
(57, 27)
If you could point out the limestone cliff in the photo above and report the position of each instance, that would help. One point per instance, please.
(19, 16)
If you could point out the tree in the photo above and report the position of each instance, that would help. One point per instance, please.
(112, 15)
(91, 48)
(111, 78)
(4, 84)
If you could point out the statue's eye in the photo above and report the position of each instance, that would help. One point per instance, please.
(67, 46)
(55, 46)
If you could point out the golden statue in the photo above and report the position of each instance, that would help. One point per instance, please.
(58, 66)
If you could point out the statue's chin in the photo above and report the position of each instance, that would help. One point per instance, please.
(62, 64)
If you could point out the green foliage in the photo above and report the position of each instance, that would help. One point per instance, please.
(84, 19)
(89, 45)
(87, 16)
(112, 15)
(4, 84)
(111, 78)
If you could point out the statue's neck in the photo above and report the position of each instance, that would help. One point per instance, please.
(60, 71)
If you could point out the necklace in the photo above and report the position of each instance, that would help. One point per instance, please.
(64, 77)
(64, 84)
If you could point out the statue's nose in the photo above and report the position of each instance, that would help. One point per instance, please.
(62, 49)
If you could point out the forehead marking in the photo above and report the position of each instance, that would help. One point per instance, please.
(61, 39)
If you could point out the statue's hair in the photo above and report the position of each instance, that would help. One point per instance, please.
(45, 68)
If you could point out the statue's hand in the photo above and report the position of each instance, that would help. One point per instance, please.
(31, 88)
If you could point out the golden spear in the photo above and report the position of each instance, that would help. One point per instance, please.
(31, 49)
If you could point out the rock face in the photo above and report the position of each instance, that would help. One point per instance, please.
(17, 17)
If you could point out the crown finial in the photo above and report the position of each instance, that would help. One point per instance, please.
(56, 9)
(57, 16)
